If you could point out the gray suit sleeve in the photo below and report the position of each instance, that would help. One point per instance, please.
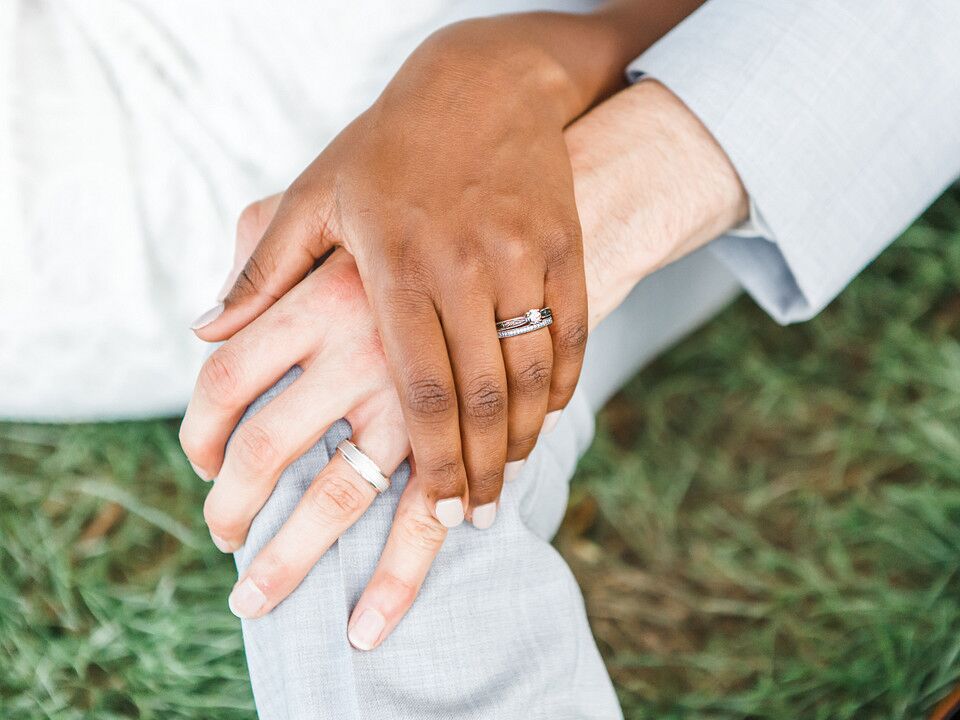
(842, 118)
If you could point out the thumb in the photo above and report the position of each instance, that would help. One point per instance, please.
(289, 242)
(251, 225)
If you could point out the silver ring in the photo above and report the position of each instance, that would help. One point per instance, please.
(365, 467)
(535, 319)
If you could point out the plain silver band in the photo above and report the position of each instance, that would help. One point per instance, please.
(365, 467)
(523, 329)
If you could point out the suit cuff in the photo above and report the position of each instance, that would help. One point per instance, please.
(840, 127)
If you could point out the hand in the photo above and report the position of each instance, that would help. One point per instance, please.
(325, 326)
(454, 194)
(644, 138)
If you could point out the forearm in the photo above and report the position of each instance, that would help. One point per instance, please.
(651, 185)
(562, 63)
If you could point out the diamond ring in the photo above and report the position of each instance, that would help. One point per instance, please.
(528, 322)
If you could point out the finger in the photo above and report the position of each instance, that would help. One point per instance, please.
(334, 501)
(415, 539)
(271, 440)
(565, 293)
(233, 377)
(415, 348)
(297, 236)
(251, 225)
(469, 326)
(528, 359)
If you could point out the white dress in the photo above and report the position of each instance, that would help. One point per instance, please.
(132, 133)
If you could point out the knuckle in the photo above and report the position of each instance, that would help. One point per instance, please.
(274, 570)
(407, 293)
(563, 390)
(255, 447)
(421, 530)
(337, 498)
(444, 475)
(403, 591)
(533, 378)
(563, 235)
(221, 376)
(253, 276)
(519, 252)
(429, 398)
(486, 486)
(485, 401)
(563, 249)
(520, 445)
(311, 201)
(572, 338)
(218, 521)
(472, 269)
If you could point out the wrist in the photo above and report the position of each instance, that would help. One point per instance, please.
(507, 60)
(652, 185)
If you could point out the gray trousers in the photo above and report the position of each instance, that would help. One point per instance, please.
(499, 629)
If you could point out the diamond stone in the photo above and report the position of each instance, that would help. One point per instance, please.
(534, 316)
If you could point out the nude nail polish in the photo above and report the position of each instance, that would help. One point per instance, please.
(222, 545)
(246, 600)
(200, 473)
(484, 515)
(450, 512)
(208, 317)
(365, 631)
(512, 470)
(550, 422)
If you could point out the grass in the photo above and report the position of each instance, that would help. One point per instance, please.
(767, 526)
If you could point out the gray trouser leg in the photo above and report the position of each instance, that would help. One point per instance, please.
(499, 629)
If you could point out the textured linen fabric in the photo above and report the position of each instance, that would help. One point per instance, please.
(842, 118)
(499, 630)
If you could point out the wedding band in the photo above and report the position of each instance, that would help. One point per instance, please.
(531, 320)
(365, 467)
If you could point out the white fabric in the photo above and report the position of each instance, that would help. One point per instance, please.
(842, 118)
(132, 133)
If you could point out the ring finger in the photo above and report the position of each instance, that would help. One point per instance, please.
(268, 442)
(334, 501)
(528, 359)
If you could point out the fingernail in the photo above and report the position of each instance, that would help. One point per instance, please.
(208, 317)
(484, 516)
(366, 629)
(200, 473)
(450, 512)
(550, 421)
(222, 545)
(246, 599)
(512, 469)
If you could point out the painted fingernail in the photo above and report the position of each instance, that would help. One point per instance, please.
(550, 421)
(363, 633)
(200, 473)
(222, 545)
(246, 600)
(208, 317)
(484, 516)
(512, 469)
(450, 511)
